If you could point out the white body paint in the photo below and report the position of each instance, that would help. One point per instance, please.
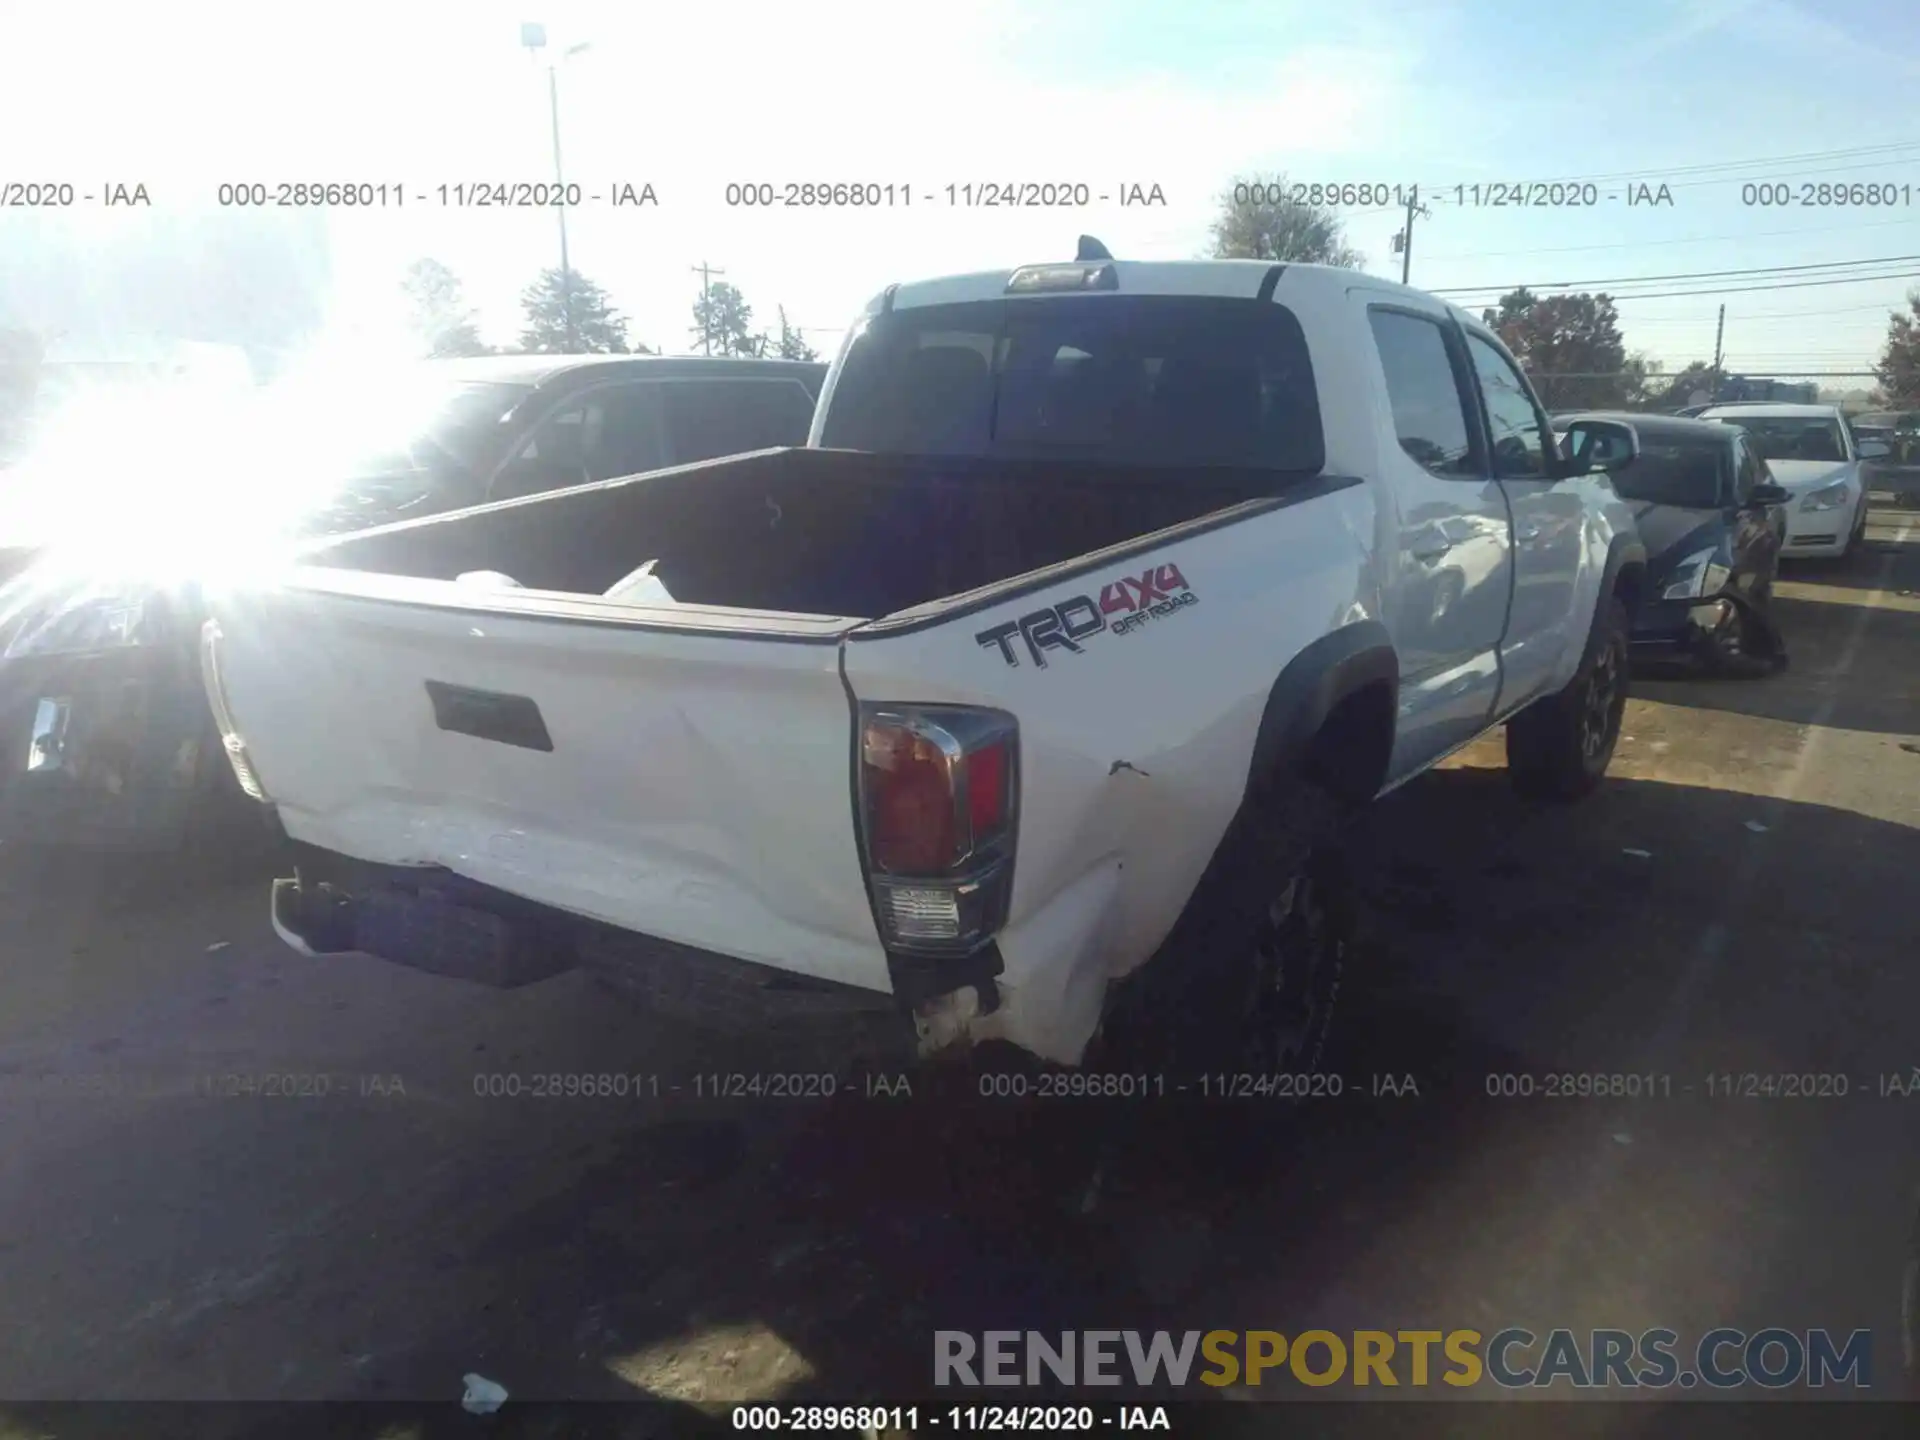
(699, 788)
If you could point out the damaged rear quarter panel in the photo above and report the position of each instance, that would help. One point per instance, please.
(1135, 736)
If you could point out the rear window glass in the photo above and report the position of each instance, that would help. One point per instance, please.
(1137, 379)
(1787, 437)
(1690, 476)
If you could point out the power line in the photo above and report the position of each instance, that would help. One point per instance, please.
(1689, 240)
(1438, 193)
(1752, 271)
(1763, 176)
(1769, 166)
(1765, 168)
(1756, 315)
(1748, 164)
(1750, 289)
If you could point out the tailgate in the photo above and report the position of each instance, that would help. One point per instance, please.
(685, 777)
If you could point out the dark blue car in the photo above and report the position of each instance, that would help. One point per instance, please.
(1713, 521)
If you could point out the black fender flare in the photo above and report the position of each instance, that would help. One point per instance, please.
(1314, 682)
(1624, 552)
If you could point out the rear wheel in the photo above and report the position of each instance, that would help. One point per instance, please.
(1559, 747)
(1240, 1000)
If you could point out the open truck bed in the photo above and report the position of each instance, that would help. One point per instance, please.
(804, 531)
(682, 772)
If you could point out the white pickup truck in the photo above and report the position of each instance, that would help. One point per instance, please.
(1101, 591)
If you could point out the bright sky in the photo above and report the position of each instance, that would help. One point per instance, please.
(692, 96)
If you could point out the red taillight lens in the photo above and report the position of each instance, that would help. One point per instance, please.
(938, 787)
(910, 803)
(987, 797)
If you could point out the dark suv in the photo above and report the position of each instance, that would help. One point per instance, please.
(105, 737)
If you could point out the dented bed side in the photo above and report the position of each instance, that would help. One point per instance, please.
(1135, 733)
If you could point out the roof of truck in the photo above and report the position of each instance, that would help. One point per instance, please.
(1226, 279)
(540, 369)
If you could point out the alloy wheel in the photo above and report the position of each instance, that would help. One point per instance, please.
(1602, 703)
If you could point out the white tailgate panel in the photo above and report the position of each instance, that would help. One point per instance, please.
(699, 786)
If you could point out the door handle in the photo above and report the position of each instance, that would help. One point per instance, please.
(1527, 534)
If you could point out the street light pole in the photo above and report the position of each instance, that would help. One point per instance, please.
(534, 37)
(566, 272)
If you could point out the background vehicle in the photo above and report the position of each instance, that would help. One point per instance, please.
(1906, 438)
(1811, 453)
(1713, 521)
(101, 707)
(1102, 591)
(1874, 429)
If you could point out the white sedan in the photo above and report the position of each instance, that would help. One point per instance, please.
(1811, 452)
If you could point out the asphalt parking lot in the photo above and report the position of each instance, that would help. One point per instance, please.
(1743, 897)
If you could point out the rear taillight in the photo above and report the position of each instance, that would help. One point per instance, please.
(938, 792)
(230, 741)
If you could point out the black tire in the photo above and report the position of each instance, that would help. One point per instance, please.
(1249, 980)
(1559, 747)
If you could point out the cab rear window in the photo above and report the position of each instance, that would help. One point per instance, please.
(1125, 379)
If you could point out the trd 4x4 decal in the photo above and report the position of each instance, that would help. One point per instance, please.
(1122, 607)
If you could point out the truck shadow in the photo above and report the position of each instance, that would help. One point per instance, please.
(813, 1256)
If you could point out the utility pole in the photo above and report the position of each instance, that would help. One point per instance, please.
(706, 273)
(1719, 334)
(1403, 242)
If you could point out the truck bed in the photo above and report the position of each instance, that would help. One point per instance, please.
(682, 772)
(804, 531)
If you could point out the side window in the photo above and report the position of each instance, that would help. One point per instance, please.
(627, 440)
(1746, 471)
(606, 433)
(1511, 414)
(559, 439)
(1423, 391)
(706, 419)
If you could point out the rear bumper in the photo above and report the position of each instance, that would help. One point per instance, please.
(434, 921)
(424, 920)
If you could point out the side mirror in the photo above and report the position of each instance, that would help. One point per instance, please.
(1874, 450)
(1602, 446)
(1767, 493)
